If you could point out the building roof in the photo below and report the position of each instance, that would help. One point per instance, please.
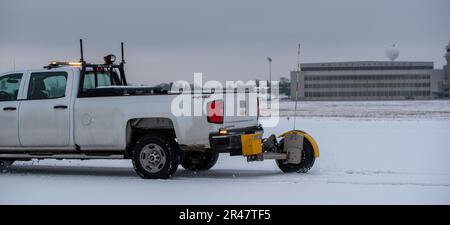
(366, 65)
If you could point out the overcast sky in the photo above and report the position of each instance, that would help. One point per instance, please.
(170, 40)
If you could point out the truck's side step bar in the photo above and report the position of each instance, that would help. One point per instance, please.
(60, 156)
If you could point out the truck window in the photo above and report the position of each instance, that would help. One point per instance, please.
(9, 86)
(47, 85)
(103, 79)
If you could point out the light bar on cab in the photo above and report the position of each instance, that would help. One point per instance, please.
(55, 63)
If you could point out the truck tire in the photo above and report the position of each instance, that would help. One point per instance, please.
(154, 157)
(177, 160)
(306, 163)
(195, 161)
(4, 164)
(174, 168)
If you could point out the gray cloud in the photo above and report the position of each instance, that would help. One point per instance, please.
(169, 40)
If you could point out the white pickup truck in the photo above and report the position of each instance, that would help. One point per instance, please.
(87, 111)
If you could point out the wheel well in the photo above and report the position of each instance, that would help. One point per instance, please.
(139, 127)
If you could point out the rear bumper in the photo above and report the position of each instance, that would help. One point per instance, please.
(231, 142)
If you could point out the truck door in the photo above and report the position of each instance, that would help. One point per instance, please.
(44, 117)
(10, 86)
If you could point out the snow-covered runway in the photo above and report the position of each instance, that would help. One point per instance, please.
(361, 162)
(86, 185)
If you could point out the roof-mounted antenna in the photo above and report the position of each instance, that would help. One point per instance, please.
(81, 50)
(121, 48)
(122, 70)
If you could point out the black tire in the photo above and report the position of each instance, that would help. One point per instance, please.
(174, 168)
(306, 163)
(154, 157)
(177, 160)
(195, 160)
(4, 164)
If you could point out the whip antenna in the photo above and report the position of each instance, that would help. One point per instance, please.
(81, 51)
(121, 50)
(297, 75)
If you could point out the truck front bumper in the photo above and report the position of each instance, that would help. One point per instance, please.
(231, 141)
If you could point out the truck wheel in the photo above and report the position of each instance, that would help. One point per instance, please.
(4, 164)
(154, 157)
(306, 163)
(194, 160)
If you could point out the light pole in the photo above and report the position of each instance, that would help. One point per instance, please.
(270, 78)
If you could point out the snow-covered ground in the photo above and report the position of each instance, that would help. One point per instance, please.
(377, 157)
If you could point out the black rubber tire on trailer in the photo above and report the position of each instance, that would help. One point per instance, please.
(306, 163)
(4, 164)
(154, 157)
(195, 160)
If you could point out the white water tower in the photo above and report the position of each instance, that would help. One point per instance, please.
(392, 53)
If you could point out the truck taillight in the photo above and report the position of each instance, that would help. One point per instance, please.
(215, 111)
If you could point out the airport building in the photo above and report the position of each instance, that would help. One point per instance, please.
(371, 80)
